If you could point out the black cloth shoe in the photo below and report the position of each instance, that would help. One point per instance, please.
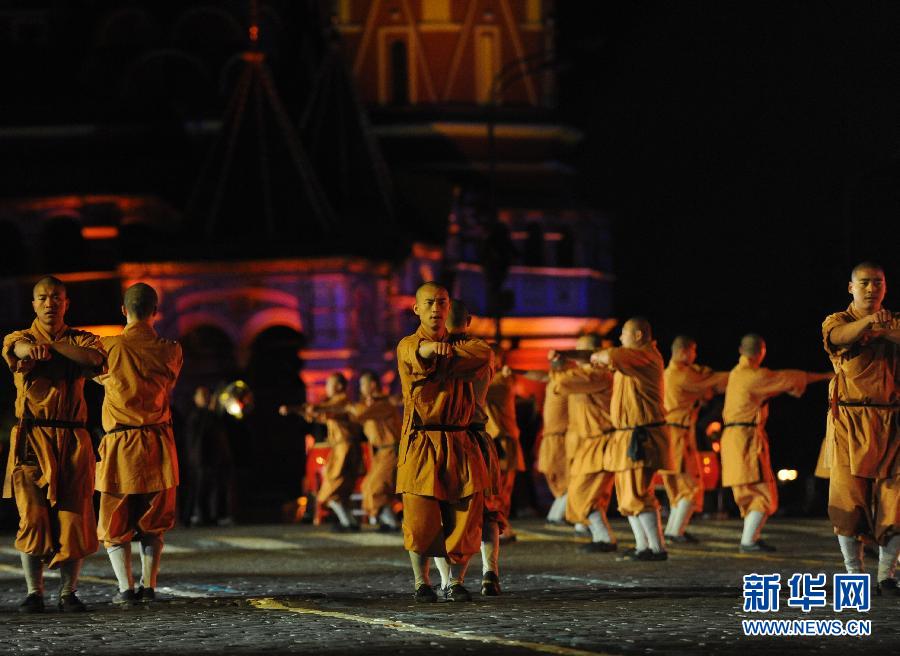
(34, 603)
(757, 547)
(687, 538)
(490, 584)
(552, 523)
(125, 598)
(146, 594)
(70, 603)
(887, 587)
(507, 538)
(425, 594)
(457, 592)
(632, 554)
(598, 547)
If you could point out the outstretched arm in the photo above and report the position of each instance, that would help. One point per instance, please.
(814, 377)
(852, 332)
(84, 357)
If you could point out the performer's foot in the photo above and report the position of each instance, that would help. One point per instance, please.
(687, 538)
(582, 531)
(34, 603)
(888, 587)
(490, 584)
(507, 538)
(457, 592)
(425, 594)
(125, 598)
(146, 594)
(70, 603)
(551, 523)
(757, 547)
(598, 547)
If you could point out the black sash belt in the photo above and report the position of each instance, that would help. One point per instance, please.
(747, 424)
(477, 427)
(446, 428)
(639, 437)
(679, 426)
(868, 404)
(122, 429)
(29, 422)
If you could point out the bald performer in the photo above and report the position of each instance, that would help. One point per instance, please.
(50, 470)
(380, 420)
(746, 466)
(137, 474)
(441, 471)
(688, 386)
(640, 442)
(344, 463)
(495, 520)
(588, 388)
(863, 343)
(500, 404)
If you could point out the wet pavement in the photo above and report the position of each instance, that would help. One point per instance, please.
(280, 589)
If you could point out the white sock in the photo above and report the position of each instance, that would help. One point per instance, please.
(887, 558)
(557, 510)
(672, 520)
(580, 529)
(653, 530)
(68, 576)
(852, 550)
(388, 517)
(753, 523)
(340, 512)
(33, 568)
(681, 517)
(120, 558)
(599, 525)
(151, 554)
(420, 568)
(640, 538)
(490, 548)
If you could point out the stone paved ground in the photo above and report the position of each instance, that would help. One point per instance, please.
(299, 589)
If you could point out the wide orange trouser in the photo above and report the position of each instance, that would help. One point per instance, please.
(450, 529)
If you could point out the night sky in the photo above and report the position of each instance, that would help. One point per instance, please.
(749, 154)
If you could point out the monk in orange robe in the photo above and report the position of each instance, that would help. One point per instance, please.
(688, 386)
(640, 443)
(441, 471)
(746, 466)
(863, 343)
(344, 463)
(500, 404)
(495, 521)
(588, 388)
(137, 475)
(551, 460)
(50, 470)
(380, 419)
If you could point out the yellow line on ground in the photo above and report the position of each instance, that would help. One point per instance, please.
(272, 604)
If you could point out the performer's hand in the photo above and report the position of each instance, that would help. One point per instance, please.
(430, 349)
(283, 410)
(38, 352)
(600, 358)
(506, 371)
(553, 355)
(880, 320)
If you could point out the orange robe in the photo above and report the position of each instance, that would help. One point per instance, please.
(552, 461)
(746, 465)
(50, 470)
(345, 463)
(864, 453)
(687, 387)
(441, 470)
(138, 469)
(640, 440)
(381, 425)
(590, 485)
(500, 404)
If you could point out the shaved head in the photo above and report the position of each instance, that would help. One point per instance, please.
(636, 332)
(429, 288)
(752, 345)
(48, 282)
(458, 316)
(683, 342)
(141, 300)
(871, 267)
(588, 342)
(640, 323)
